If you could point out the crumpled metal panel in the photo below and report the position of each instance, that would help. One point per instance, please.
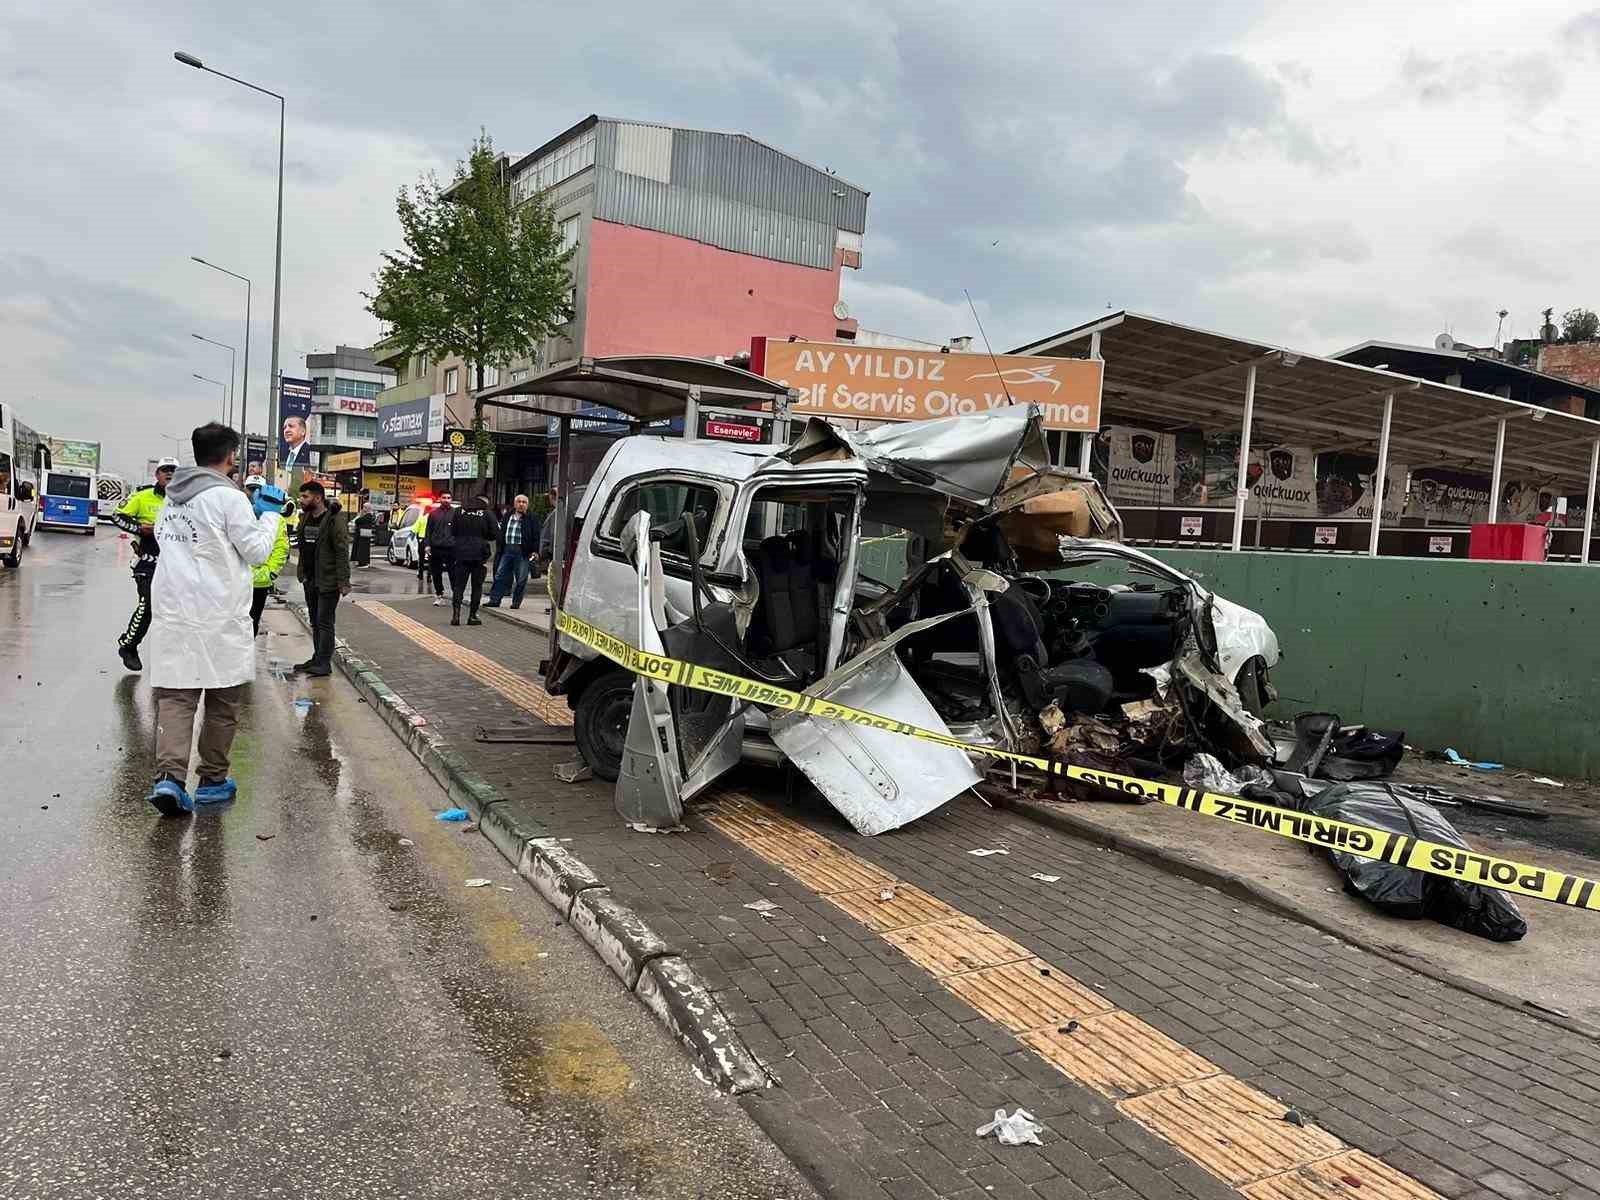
(877, 779)
(967, 458)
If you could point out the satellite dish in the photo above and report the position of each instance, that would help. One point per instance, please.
(841, 310)
(1444, 342)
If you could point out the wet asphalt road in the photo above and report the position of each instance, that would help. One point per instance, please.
(281, 998)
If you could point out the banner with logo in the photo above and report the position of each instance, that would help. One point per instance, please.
(411, 423)
(1443, 496)
(1344, 486)
(1141, 465)
(836, 379)
(1283, 482)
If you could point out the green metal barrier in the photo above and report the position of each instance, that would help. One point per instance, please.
(1493, 658)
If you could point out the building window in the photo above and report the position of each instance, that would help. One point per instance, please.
(491, 376)
(569, 233)
(561, 163)
(452, 380)
(319, 386)
(518, 375)
(362, 389)
(361, 427)
(329, 425)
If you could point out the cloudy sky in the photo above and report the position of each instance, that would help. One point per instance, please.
(1302, 173)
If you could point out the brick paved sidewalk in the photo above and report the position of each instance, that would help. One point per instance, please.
(886, 1068)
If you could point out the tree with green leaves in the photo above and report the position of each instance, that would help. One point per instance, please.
(478, 277)
(1580, 325)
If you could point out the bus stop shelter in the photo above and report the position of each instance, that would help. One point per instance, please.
(1161, 373)
(639, 390)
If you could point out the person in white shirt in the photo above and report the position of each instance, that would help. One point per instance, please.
(201, 646)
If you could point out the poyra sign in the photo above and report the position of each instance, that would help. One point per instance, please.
(839, 380)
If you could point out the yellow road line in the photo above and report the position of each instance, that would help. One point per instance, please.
(1227, 1127)
(518, 689)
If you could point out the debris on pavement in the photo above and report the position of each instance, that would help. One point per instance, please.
(1400, 891)
(304, 703)
(886, 894)
(1042, 878)
(453, 814)
(985, 852)
(1019, 1129)
(1293, 1117)
(719, 872)
(265, 837)
(573, 772)
(1325, 748)
(405, 842)
(468, 827)
(1206, 772)
(761, 906)
(477, 883)
(1546, 780)
(641, 827)
(1451, 756)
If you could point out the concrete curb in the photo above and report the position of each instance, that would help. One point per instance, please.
(661, 978)
(499, 615)
(1242, 887)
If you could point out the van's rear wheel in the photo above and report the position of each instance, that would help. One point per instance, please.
(600, 722)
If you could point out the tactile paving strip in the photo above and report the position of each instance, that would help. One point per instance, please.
(1118, 1055)
(1350, 1176)
(906, 906)
(520, 690)
(959, 944)
(1027, 995)
(1230, 1129)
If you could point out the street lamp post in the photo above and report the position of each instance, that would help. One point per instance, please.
(244, 395)
(220, 384)
(232, 360)
(190, 60)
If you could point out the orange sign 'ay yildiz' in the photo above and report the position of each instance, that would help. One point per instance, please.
(838, 379)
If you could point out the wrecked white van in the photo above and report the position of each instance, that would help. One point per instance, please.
(760, 561)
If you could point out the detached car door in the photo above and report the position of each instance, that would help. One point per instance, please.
(678, 740)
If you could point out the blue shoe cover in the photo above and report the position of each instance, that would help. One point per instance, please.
(170, 799)
(216, 793)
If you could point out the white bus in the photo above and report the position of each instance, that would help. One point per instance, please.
(24, 455)
(67, 499)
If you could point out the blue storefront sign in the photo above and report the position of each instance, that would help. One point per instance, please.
(597, 418)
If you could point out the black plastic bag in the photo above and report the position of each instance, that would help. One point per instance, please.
(1400, 891)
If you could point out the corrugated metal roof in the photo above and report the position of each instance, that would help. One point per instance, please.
(728, 190)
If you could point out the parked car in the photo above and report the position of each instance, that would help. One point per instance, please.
(754, 560)
(403, 550)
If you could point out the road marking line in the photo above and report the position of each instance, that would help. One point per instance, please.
(518, 689)
(1222, 1124)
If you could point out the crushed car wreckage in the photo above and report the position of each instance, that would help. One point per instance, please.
(751, 560)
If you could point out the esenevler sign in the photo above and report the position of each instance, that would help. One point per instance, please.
(835, 379)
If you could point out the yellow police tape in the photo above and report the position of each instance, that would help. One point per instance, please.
(1435, 858)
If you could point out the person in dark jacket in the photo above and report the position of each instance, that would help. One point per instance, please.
(363, 531)
(519, 545)
(475, 535)
(323, 569)
(441, 547)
